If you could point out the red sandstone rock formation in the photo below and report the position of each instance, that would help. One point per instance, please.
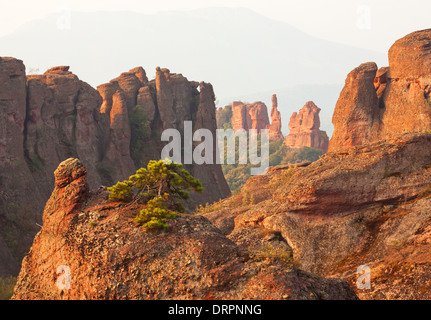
(249, 116)
(364, 205)
(117, 152)
(255, 116)
(304, 129)
(381, 104)
(62, 122)
(19, 195)
(108, 257)
(275, 126)
(45, 119)
(356, 116)
(167, 102)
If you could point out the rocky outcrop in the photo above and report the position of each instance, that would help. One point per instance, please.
(252, 116)
(62, 122)
(378, 104)
(364, 205)
(275, 126)
(116, 152)
(166, 103)
(71, 189)
(249, 116)
(356, 114)
(304, 129)
(89, 248)
(45, 119)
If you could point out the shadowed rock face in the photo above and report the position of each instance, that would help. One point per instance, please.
(45, 119)
(62, 120)
(19, 199)
(378, 104)
(304, 129)
(108, 257)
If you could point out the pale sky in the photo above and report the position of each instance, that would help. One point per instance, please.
(362, 23)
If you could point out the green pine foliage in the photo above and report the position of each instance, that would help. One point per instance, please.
(224, 118)
(155, 215)
(121, 191)
(163, 185)
(140, 131)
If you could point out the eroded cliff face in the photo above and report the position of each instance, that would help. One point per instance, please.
(45, 119)
(378, 104)
(19, 199)
(304, 129)
(365, 205)
(89, 248)
(166, 103)
(62, 120)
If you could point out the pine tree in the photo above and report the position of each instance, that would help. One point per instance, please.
(163, 185)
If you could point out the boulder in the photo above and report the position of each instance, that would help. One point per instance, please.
(63, 121)
(19, 192)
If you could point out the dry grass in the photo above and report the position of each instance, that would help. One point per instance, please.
(228, 203)
(271, 253)
(284, 177)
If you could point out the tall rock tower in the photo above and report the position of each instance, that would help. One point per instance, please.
(275, 126)
(304, 129)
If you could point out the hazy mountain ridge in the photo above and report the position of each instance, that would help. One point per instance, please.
(236, 49)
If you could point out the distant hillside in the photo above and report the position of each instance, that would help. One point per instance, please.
(237, 50)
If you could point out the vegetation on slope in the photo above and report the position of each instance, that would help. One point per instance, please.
(162, 186)
(279, 154)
